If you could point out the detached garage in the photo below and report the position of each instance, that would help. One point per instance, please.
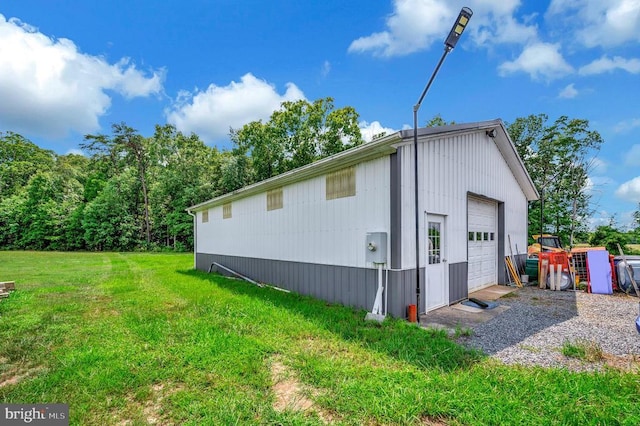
(344, 227)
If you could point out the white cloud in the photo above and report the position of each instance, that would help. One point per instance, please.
(48, 87)
(598, 184)
(568, 92)
(606, 64)
(416, 24)
(588, 185)
(626, 221)
(597, 166)
(369, 130)
(601, 218)
(326, 68)
(632, 157)
(627, 125)
(210, 113)
(494, 25)
(599, 22)
(540, 61)
(630, 190)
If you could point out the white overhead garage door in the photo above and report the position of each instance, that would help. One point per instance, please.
(482, 224)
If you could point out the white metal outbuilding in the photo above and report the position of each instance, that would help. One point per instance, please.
(313, 230)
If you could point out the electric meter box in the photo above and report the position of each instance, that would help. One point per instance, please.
(376, 247)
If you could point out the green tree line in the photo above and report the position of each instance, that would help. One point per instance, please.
(559, 156)
(130, 192)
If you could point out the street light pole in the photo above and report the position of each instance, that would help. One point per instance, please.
(455, 33)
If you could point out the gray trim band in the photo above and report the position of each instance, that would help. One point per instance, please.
(395, 191)
(348, 286)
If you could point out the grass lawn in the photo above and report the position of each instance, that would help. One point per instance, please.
(634, 247)
(143, 339)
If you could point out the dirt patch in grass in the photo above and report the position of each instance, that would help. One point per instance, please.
(430, 421)
(101, 307)
(152, 407)
(291, 394)
(15, 375)
(623, 363)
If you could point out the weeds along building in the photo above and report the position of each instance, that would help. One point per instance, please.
(337, 228)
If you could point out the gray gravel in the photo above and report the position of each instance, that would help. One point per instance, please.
(540, 322)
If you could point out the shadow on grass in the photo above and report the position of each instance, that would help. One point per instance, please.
(424, 348)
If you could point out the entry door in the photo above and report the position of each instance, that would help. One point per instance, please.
(436, 280)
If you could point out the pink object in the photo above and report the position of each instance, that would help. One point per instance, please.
(599, 272)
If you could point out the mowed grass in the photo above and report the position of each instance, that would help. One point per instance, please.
(135, 338)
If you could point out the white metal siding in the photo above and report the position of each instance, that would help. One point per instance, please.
(450, 168)
(308, 228)
(482, 247)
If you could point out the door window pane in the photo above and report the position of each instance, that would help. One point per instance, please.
(434, 242)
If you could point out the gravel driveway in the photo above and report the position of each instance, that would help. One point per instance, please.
(539, 322)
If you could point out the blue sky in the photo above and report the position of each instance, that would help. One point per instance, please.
(75, 67)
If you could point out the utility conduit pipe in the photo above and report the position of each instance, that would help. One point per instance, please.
(237, 274)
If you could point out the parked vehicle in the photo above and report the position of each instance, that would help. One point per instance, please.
(545, 242)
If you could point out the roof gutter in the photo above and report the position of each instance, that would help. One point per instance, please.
(368, 151)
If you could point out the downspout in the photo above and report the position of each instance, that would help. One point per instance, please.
(195, 236)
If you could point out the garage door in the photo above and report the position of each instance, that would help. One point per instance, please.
(482, 243)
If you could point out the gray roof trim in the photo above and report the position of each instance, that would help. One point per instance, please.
(368, 151)
(453, 128)
(379, 148)
(509, 152)
(502, 140)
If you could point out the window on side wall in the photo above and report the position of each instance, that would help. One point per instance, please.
(205, 216)
(226, 211)
(341, 184)
(274, 199)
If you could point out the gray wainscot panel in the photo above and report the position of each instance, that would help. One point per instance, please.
(336, 284)
(458, 282)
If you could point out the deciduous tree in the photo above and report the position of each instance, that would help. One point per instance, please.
(558, 157)
(297, 134)
(126, 148)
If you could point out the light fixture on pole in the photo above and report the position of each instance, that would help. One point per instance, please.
(452, 39)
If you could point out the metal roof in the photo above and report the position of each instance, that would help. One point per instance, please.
(379, 148)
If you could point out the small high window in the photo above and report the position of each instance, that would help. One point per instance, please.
(341, 184)
(205, 216)
(274, 199)
(226, 211)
